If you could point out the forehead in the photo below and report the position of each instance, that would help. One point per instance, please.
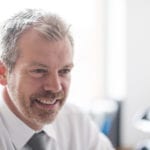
(34, 47)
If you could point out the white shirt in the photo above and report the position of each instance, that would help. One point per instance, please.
(71, 130)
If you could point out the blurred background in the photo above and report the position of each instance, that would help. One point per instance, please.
(111, 78)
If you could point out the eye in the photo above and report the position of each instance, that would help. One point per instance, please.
(38, 73)
(64, 72)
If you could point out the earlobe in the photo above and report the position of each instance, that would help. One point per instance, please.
(3, 79)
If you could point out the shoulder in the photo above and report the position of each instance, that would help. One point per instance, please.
(78, 123)
(73, 119)
(3, 129)
(72, 113)
(4, 135)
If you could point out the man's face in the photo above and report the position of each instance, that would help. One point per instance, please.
(38, 85)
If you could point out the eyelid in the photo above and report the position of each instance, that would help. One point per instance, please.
(38, 72)
(65, 71)
(39, 69)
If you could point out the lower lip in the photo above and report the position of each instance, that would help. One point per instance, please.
(47, 106)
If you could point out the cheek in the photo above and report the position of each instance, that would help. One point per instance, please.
(22, 87)
(29, 88)
(12, 82)
(30, 83)
(66, 85)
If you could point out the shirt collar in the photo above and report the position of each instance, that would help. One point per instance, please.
(20, 133)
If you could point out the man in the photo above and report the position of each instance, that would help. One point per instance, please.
(35, 71)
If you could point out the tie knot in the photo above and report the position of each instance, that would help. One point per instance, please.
(39, 141)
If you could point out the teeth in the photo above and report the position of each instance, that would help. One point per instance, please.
(46, 101)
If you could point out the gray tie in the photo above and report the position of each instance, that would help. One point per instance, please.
(39, 141)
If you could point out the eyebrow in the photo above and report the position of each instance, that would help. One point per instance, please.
(38, 64)
(71, 65)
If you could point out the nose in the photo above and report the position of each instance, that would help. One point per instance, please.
(53, 83)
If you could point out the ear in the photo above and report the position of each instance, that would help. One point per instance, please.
(3, 72)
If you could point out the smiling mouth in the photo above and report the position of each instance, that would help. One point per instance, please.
(46, 102)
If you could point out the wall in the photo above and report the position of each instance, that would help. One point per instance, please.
(88, 77)
(138, 68)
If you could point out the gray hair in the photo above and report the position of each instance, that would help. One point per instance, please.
(49, 25)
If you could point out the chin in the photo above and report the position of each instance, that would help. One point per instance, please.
(48, 119)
